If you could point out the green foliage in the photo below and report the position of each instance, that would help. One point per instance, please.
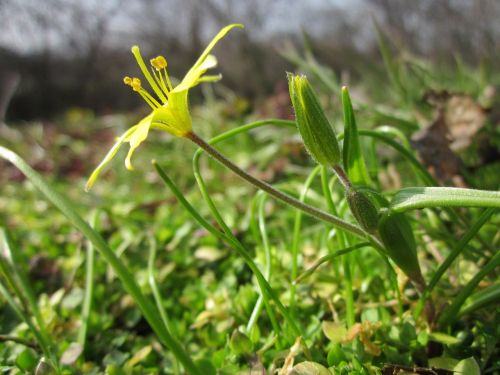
(238, 284)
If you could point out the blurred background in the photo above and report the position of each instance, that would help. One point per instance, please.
(61, 54)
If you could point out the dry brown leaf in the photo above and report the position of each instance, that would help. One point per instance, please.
(458, 119)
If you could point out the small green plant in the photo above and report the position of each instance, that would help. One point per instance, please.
(360, 216)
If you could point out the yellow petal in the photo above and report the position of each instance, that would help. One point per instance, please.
(204, 62)
(110, 155)
(211, 78)
(221, 34)
(209, 63)
(138, 136)
(192, 78)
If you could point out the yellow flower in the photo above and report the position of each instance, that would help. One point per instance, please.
(170, 110)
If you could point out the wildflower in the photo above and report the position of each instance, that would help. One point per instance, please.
(169, 104)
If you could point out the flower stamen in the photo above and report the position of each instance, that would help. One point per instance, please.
(158, 78)
(152, 82)
(159, 63)
(136, 85)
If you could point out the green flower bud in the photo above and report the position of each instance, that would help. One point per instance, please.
(317, 134)
(365, 212)
(397, 236)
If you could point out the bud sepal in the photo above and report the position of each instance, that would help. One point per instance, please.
(316, 132)
(363, 209)
(397, 236)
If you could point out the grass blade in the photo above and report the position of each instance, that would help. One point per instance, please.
(89, 287)
(232, 241)
(261, 199)
(296, 234)
(389, 60)
(227, 231)
(157, 295)
(354, 162)
(328, 258)
(127, 279)
(451, 314)
(486, 297)
(459, 247)
(27, 306)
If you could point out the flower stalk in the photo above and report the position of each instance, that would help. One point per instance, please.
(262, 185)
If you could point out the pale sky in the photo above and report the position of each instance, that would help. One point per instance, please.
(32, 25)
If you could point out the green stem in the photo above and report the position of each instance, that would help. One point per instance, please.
(27, 296)
(450, 315)
(346, 183)
(23, 310)
(423, 173)
(347, 259)
(483, 298)
(296, 234)
(267, 273)
(328, 258)
(342, 238)
(232, 241)
(322, 215)
(89, 287)
(218, 217)
(459, 247)
(154, 286)
(157, 295)
(26, 319)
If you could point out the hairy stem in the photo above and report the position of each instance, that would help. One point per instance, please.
(342, 177)
(322, 215)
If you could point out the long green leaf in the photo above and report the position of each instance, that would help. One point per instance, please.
(127, 279)
(260, 202)
(485, 297)
(423, 197)
(457, 250)
(232, 241)
(89, 286)
(296, 234)
(354, 163)
(328, 258)
(450, 314)
(27, 308)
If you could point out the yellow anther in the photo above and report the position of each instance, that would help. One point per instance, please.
(136, 84)
(159, 63)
